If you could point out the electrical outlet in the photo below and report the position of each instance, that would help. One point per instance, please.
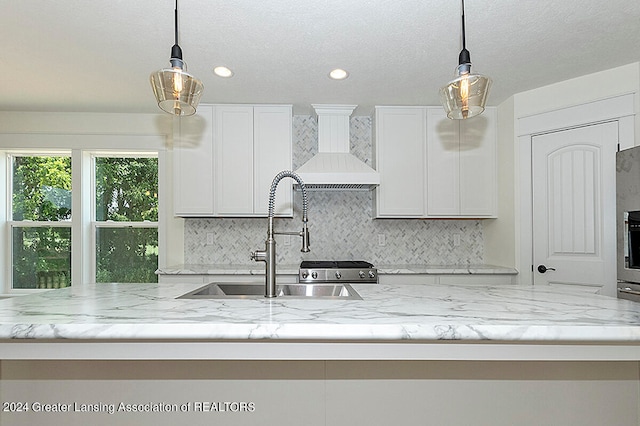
(382, 240)
(209, 238)
(456, 240)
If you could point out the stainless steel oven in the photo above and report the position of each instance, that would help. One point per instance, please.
(628, 223)
(631, 240)
(629, 256)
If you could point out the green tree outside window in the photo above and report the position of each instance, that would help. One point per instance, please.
(41, 193)
(126, 191)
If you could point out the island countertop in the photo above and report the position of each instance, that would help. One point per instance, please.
(470, 316)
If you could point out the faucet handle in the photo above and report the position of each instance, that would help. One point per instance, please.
(259, 255)
(305, 239)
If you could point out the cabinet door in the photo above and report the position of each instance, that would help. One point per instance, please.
(193, 161)
(233, 160)
(400, 156)
(478, 178)
(272, 153)
(461, 165)
(443, 164)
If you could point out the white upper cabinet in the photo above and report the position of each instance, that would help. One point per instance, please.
(434, 167)
(479, 165)
(443, 164)
(192, 163)
(233, 160)
(399, 151)
(461, 165)
(226, 157)
(272, 153)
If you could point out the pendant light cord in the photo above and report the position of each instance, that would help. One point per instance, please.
(464, 42)
(176, 52)
(465, 56)
(176, 23)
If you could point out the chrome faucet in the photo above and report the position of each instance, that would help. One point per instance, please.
(268, 255)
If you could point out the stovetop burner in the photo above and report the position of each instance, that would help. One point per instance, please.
(345, 264)
(320, 271)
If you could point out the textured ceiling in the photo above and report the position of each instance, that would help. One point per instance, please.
(96, 55)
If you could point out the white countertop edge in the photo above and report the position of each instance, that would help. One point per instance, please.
(445, 270)
(310, 351)
(327, 332)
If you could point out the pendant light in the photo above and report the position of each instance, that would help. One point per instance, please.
(466, 95)
(177, 92)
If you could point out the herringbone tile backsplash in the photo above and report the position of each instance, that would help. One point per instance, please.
(340, 223)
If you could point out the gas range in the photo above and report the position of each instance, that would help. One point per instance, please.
(329, 271)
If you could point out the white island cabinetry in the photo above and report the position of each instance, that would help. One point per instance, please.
(226, 157)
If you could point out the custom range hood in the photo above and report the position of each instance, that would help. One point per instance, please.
(334, 167)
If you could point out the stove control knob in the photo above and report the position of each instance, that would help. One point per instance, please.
(314, 275)
(305, 274)
(361, 274)
(371, 274)
(338, 275)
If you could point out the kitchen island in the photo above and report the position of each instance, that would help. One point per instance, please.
(433, 322)
(405, 354)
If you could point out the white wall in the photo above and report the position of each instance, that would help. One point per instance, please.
(588, 88)
(499, 234)
(502, 246)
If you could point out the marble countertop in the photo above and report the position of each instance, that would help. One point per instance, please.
(398, 313)
(290, 269)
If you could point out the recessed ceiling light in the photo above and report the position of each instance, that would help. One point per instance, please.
(338, 74)
(223, 72)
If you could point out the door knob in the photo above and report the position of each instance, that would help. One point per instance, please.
(542, 269)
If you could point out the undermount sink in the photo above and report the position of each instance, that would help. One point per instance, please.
(256, 290)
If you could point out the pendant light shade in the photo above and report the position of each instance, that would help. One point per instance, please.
(176, 91)
(466, 95)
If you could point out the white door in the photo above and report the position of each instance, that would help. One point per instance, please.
(574, 205)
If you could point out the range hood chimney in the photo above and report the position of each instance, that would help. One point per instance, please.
(334, 167)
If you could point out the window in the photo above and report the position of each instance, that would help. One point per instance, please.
(112, 233)
(40, 221)
(126, 219)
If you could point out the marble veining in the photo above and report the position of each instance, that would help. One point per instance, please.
(387, 313)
